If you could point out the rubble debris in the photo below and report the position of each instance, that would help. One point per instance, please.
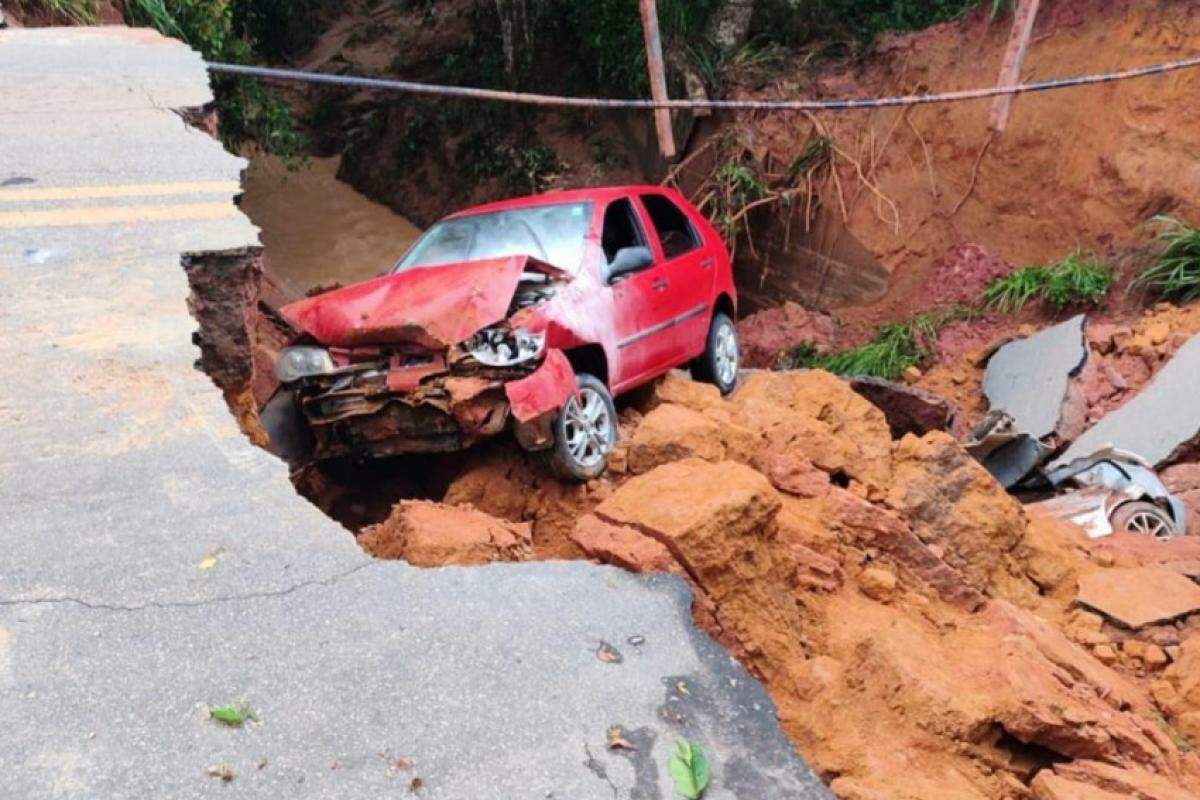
(1029, 378)
(432, 534)
(1179, 695)
(1139, 596)
(1008, 453)
(1159, 423)
(907, 408)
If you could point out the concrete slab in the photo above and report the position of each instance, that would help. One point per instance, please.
(121, 471)
(1029, 377)
(1139, 596)
(1163, 418)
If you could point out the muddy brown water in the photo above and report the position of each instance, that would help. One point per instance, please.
(318, 230)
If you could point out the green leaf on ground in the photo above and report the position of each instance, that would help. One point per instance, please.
(689, 770)
(231, 715)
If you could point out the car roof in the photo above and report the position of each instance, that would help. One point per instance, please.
(600, 194)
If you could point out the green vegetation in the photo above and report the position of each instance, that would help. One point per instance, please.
(232, 715)
(611, 43)
(81, 12)
(689, 770)
(1175, 272)
(220, 30)
(894, 349)
(1072, 282)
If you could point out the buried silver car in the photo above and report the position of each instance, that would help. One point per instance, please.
(1114, 490)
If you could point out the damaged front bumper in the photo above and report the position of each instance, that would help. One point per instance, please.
(378, 405)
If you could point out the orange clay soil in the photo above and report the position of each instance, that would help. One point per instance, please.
(914, 626)
(1084, 167)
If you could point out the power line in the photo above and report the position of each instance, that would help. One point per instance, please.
(527, 98)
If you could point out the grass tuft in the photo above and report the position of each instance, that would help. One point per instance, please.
(1176, 272)
(1077, 280)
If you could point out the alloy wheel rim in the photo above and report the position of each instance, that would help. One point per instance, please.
(588, 428)
(726, 354)
(1148, 524)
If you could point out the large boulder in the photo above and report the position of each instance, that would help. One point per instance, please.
(954, 505)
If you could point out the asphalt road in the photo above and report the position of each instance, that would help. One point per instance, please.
(122, 472)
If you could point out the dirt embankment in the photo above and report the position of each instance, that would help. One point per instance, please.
(1084, 167)
(914, 626)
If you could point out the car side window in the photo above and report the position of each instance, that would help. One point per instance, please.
(621, 229)
(675, 231)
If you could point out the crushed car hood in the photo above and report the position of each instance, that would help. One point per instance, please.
(433, 307)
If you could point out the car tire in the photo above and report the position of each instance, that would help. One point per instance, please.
(721, 360)
(1145, 519)
(585, 432)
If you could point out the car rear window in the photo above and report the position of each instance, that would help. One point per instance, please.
(675, 231)
(554, 233)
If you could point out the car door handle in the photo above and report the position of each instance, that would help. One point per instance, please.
(708, 263)
(660, 284)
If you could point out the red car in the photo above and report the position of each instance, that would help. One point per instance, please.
(529, 314)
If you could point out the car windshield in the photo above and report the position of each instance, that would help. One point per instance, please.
(555, 234)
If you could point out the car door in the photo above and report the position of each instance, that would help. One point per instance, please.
(640, 318)
(689, 269)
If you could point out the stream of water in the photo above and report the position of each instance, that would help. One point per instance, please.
(318, 230)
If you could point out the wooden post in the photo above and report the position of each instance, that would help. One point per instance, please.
(1014, 58)
(658, 78)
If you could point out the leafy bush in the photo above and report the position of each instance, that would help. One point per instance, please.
(612, 45)
(1074, 281)
(1175, 273)
(247, 108)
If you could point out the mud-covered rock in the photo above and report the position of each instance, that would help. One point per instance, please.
(671, 432)
(622, 546)
(433, 534)
(906, 408)
(951, 502)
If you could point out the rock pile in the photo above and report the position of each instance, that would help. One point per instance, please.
(917, 630)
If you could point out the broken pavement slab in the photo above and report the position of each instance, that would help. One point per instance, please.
(1029, 378)
(121, 469)
(1139, 596)
(1159, 422)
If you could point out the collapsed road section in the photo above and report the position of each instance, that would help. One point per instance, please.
(158, 566)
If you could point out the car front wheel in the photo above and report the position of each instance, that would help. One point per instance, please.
(1143, 518)
(721, 359)
(585, 432)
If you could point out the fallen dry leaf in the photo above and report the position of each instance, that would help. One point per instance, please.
(609, 654)
(617, 740)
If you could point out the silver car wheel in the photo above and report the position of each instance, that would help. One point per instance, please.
(588, 428)
(726, 354)
(1149, 524)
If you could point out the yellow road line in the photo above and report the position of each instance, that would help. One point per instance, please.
(121, 190)
(108, 215)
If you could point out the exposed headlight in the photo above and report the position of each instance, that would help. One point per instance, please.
(501, 347)
(295, 363)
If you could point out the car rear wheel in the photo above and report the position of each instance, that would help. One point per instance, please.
(584, 432)
(721, 359)
(1145, 519)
